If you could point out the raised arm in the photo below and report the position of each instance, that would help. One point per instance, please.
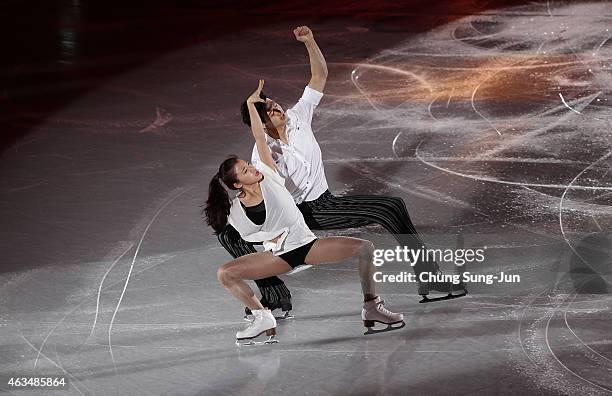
(258, 128)
(318, 67)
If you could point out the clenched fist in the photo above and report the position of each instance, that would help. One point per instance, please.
(303, 33)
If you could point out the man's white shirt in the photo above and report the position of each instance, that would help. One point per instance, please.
(300, 162)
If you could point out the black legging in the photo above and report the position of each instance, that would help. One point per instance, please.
(329, 212)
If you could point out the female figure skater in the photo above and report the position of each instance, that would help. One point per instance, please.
(264, 211)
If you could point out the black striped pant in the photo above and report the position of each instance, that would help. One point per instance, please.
(329, 212)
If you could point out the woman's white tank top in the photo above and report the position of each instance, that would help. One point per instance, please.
(283, 218)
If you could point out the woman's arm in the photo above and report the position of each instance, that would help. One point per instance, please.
(258, 128)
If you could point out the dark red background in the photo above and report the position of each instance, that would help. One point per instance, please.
(111, 37)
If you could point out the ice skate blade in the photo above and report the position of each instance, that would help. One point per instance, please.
(247, 343)
(286, 315)
(390, 327)
(271, 333)
(450, 296)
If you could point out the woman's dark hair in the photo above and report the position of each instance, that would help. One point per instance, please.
(218, 204)
(259, 106)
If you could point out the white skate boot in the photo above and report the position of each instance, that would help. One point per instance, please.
(375, 311)
(264, 322)
(286, 314)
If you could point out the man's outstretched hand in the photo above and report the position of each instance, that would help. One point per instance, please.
(303, 34)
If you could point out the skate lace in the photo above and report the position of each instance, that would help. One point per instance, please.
(255, 322)
(381, 307)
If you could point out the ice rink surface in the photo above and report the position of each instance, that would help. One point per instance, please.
(495, 125)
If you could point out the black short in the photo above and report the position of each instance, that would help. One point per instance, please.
(297, 256)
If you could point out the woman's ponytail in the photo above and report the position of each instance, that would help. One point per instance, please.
(218, 204)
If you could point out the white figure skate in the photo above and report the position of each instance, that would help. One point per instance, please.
(375, 311)
(263, 322)
(285, 314)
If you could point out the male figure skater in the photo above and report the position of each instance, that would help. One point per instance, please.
(298, 159)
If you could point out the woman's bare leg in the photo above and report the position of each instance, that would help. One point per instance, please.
(252, 266)
(334, 249)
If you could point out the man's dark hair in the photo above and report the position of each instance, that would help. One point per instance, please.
(260, 107)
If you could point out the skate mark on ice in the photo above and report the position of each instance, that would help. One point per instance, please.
(522, 139)
(495, 180)
(474, 95)
(578, 338)
(500, 68)
(390, 69)
(548, 374)
(522, 320)
(127, 279)
(83, 301)
(363, 93)
(162, 118)
(42, 345)
(596, 222)
(58, 366)
(22, 188)
(561, 210)
(568, 106)
(602, 44)
(429, 108)
(93, 326)
(511, 160)
(393, 145)
(575, 206)
(426, 194)
(551, 315)
(450, 97)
